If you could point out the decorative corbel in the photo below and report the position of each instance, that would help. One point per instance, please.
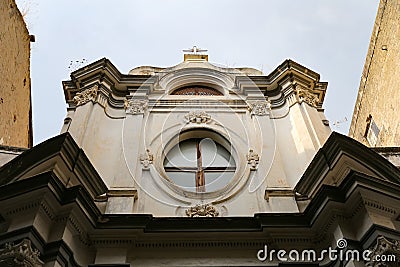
(86, 95)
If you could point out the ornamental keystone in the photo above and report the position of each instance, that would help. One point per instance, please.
(198, 117)
(253, 159)
(146, 159)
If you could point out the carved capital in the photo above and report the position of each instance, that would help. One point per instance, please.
(86, 95)
(198, 117)
(386, 247)
(205, 210)
(135, 106)
(259, 108)
(146, 159)
(252, 159)
(21, 254)
(307, 96)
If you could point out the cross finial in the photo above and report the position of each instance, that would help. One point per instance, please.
(195, 50)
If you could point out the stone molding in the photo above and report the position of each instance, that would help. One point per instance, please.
(21, 254)
(379, 206)
(198, 117)
(23, 208)
(86, 95)
(278, 193)
(135, 106)
(259, 108)
(252, 159)
(204, 210)
(122, 193)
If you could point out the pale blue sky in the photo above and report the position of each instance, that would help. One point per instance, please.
(330, 37)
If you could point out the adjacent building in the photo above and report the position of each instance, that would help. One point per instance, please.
(15, 86)
(376, 122)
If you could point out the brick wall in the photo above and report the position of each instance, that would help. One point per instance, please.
(15, 98)
(379, 92)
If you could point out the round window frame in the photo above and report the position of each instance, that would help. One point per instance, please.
(193, 134)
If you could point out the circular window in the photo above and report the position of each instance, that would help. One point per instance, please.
(199, 165)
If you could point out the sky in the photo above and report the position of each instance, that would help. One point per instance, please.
(330, 37)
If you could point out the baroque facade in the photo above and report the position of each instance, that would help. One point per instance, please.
(197, 165)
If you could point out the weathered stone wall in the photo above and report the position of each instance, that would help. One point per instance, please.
(379, 93)
(15, 98)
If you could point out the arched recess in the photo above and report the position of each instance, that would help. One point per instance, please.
(200, 77)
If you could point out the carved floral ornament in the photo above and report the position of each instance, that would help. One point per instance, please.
(86, 95)
(21, 254)
(385, 247)
(204, 210)
(198, 117)
(259, 108)
(307, 96)
(146, 159)
(252, 159)
(135, 106)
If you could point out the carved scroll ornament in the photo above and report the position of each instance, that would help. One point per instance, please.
(135, 106)
(86, 95)
(198, 117)
(205, 210)
(21, 254)
(259, 108)
(387, 248)
(307, 96)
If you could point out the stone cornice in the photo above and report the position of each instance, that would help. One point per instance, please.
(289, 78)
(103, 72)
(148, 223)
(337, 146)
(88, 185)
(285, 80)
(60, 152)
(139, 230)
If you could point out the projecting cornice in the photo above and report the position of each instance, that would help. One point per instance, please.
(46, 164)
(289, 78)
(35, 182)
(340, 155)
(59, 154)
(289, 82)
(107, 77)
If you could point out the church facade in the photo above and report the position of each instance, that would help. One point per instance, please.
(198, 165)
